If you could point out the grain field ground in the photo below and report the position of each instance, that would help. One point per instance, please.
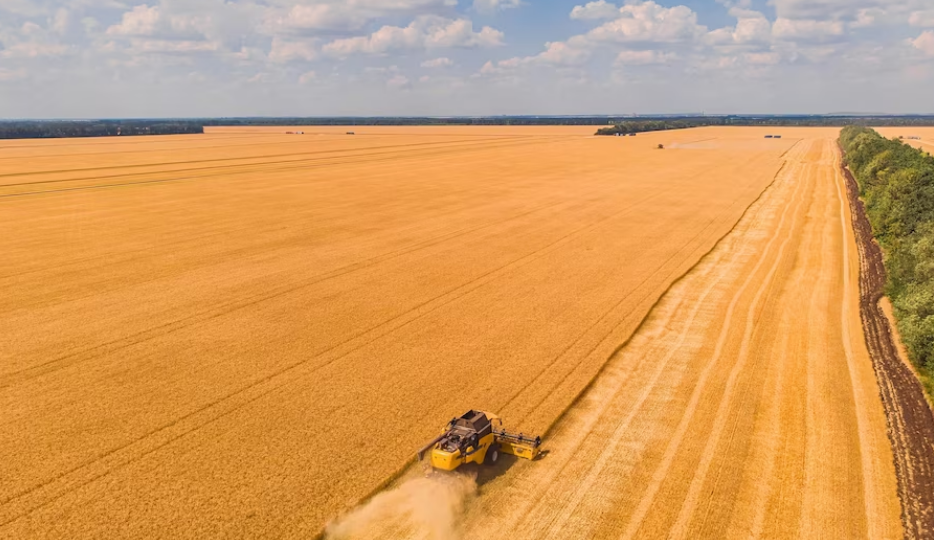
(244, 333)
(926, 134)
(745, 406)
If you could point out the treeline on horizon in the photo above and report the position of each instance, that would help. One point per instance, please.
(37, 129)
(53, 129)
(414, 121)
(896, 181)
(611, 122)
(642, 125)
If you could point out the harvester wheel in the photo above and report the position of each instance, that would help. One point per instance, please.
(492, 456)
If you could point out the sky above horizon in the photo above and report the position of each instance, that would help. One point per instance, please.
(183, 58)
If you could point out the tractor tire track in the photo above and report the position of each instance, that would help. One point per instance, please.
(226, 171)
(661, 472)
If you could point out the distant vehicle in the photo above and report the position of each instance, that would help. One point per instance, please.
(632, 134)
(351, 133)
(769, 137)
(777, 137)
(661, 147)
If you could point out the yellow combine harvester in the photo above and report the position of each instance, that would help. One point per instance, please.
(477, 437)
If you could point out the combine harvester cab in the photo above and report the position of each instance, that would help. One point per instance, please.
(476, 437)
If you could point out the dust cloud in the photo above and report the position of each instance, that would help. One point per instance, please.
(426, 508)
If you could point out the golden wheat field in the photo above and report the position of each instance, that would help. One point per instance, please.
(924, 140)
(248, 333)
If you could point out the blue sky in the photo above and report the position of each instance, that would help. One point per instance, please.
(131, 58)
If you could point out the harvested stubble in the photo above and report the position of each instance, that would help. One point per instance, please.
(926, 134)
(243, 333)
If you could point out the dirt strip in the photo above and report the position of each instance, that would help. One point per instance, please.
(910, 422)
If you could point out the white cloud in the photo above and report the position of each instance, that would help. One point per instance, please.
(170, 46)
(203, 51)
(925, 43)
(32, 41)
(90, 25)
(398, 82)
(249, 55)
(141, 21)
(287, 51)
(601, 9)
(381, 69)
(762, 58)
(172, 27)
(442, 62)
(855, 13)
(317, 17)
(752, 27)
(922, 19)
(489, 68)
(636, 23)
(427, 31)
(34, 50)
(389, 6)
(646, 22)
(825, 9)
(644, 58)
(60, 21)
(49, 8)
(868, 17)
(153, 22)
(490, 6)
(505, 68)
(341, 15)
(555, 54)
(807, 29)
(563, 54)
(26, 8)
(7, 75)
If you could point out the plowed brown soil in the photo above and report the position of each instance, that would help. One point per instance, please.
(911, 424)
(245, 333)
(745, 406)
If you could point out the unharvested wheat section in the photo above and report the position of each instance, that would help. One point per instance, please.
(247, 333)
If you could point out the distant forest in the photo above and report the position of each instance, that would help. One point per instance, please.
(641, 125)
(612, 125)
(53, 129)
(896, 181)
(413, 121)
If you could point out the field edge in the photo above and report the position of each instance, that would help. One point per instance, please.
(909, 419)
